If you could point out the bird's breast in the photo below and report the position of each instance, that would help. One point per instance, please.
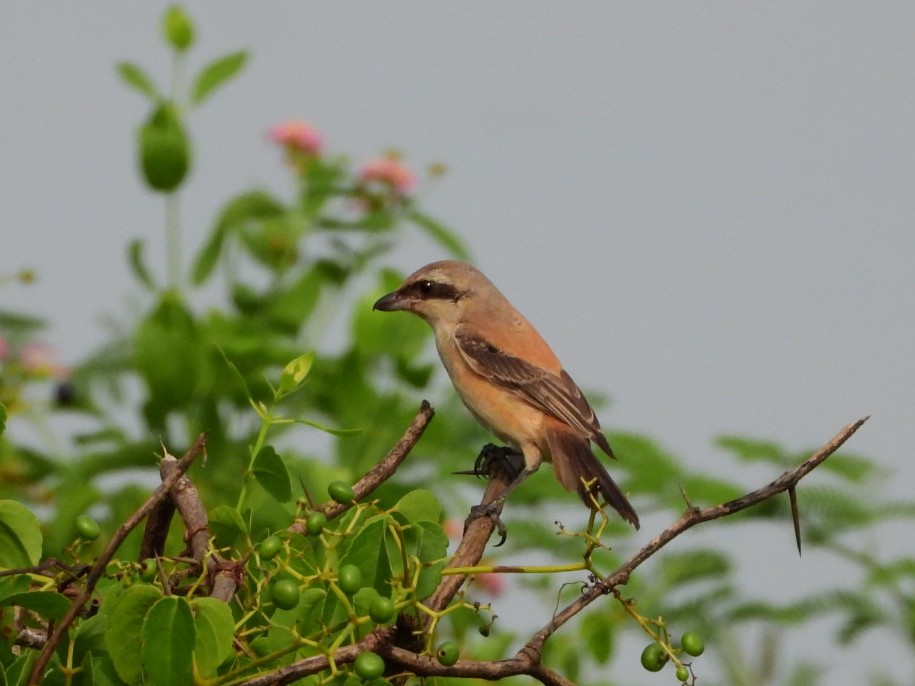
(497, 408)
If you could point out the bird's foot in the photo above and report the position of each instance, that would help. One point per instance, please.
(490, 510)
(509, 459)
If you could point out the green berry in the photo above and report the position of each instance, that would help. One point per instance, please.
(692, 643)
(315, 523)
(369, 665)
(349, 578)
(285, 594)
(447, 653)
(261, 646)
(342, 492)
(269, 547)
(653, 657)
(87, 528)
(149, 570)
(682, 673)
(382, 610)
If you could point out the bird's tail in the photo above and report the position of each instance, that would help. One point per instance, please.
(575, 466)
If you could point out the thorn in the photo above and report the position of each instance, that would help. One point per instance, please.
(792, 498)
(689, 503)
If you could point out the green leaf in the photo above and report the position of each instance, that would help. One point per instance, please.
(101, 671)
(168, 638)
(443, 235)
(419, 506)
(369, 553)
(292, 308)
(215, 630)
(17, 673)
(433, 546)
(227, 525)
(123, 634)
(271, 472)
(170, 356)
(693, 565)
(2, 418)
(706, 490)
(138, 264)
(20, 536)
(20, 324)
(597, 632)
(237, 212)
(134, 76)
(295, 372)
(178, 28)
(13, 585)
(750, 450)
(850, 467)
(46, 603)
(379, 333)
(216, 73)
(304, 617)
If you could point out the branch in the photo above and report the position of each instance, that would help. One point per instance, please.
(225, 575)
(473, 543)
(99, 567)
(382, 471)
(694, 515)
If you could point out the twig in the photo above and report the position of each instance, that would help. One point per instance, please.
(99, 567)
(384, 469)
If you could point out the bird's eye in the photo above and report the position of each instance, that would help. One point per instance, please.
(426, 287)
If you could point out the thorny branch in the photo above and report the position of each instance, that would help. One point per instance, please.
(527, 660)
(98, 568)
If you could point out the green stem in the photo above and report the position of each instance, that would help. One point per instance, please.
(258, 444)
(172, 208)
(173, 240)
(516, 569)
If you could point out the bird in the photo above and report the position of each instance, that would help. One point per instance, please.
(510, 379)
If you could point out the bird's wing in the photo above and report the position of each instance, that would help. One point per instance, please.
(557, 396)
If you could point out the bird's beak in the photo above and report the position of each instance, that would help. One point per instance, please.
(391, 302)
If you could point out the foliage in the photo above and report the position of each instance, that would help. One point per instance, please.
(287, 417)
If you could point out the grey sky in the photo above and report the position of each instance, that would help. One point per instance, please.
(706, 208)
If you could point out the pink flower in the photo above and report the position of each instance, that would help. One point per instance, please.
(298, 136)
(39, 359)
(494, 584)
(388, 171)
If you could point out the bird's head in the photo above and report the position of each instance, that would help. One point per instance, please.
(438, 292)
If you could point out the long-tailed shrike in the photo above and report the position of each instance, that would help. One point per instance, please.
(509, 378)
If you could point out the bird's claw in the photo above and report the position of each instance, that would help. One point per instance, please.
(507, 458)
(488, 510)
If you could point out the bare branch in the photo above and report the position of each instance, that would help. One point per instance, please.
(384, 469)
(692, 516)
